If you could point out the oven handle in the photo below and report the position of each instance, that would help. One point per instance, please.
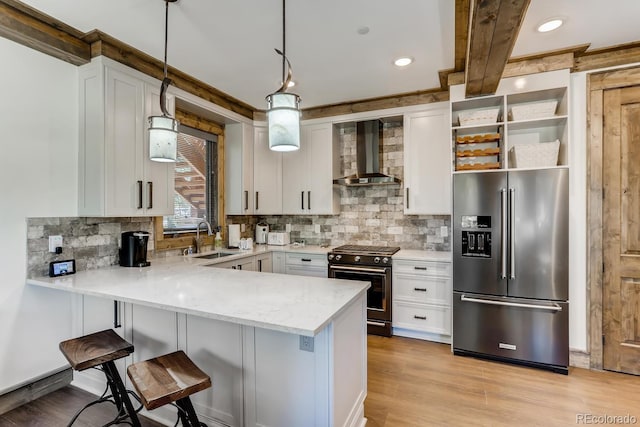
(359, 269)
(373, 323)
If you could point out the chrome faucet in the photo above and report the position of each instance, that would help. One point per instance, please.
(209, 231)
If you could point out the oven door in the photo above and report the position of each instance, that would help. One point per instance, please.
(378, 295)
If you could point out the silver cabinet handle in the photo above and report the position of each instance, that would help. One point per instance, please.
(554, 307)
(302, 200)
(357, 269)
(372, 323)
(420, 289)
(150, 195)
(512, 231)
(406, 198)
(309, 200)
(246, 200)
(139, 194)
(419, 317)
(503, 199)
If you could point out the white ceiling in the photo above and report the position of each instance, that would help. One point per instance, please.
(229, 43)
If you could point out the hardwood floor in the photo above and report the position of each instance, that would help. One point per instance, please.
(418, 383)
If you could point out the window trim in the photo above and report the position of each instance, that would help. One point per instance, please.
(185, 240)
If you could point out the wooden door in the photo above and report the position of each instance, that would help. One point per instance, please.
(621, 230)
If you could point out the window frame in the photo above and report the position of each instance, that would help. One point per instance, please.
(185, 240)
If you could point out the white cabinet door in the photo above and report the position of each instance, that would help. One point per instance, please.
(159, 177)
(307, 174)
(427, 162)
(295, 177)
(238, 157)
(216, 348)
(279, 264)
(123, 122)
(247, 264)
(267, 175)
(264, 263)
(115, 175)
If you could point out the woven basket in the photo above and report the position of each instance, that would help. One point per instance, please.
(537, 155)
(478, 117)
(534, 110)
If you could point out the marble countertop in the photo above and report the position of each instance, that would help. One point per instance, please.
(287, 303)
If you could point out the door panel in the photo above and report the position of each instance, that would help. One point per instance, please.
(539, 234)
(621, 230)
(478, 195)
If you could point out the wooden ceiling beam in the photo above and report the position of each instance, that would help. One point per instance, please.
(31, 28)
(493, 32)
(462, 13)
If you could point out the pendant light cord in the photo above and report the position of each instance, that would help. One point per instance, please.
(284, 45)
(166, 35)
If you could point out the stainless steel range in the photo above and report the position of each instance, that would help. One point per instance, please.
(371, 264)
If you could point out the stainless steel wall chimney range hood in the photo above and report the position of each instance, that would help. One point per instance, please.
(368, 150)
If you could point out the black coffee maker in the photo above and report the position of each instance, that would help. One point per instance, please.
(133, 252)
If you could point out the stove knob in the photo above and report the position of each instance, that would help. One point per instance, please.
(330, 257)
(376, 260)
(385, 260)
(338, 257)
(357, 258)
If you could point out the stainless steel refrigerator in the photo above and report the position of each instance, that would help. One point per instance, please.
(510, 266)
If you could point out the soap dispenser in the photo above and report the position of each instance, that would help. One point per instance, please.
(218, 240)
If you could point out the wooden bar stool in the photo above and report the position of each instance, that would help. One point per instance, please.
(99, 350)
(167, 379)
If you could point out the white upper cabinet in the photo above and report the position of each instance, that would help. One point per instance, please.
(307, 174)
(238, 157)
(267, 175)
(427, 162)
(116, 177)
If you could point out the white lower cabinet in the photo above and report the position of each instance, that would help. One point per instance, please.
(422, 299)
(247, 264)
(264, 263)
(279, 262)
(216, 348)
(303, 264)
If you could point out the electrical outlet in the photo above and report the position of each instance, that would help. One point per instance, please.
(243, 228)
(287, 228)
(316, 228)
(306, 343)
(444, 231)
(54, 242)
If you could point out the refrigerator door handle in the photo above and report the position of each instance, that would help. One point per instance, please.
(503, 200)
(512, 221)
(553, 307)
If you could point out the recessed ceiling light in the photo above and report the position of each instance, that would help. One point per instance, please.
(363, 30)
(550, 25)
(403, 62)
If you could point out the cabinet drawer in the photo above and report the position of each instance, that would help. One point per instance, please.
(425, 268)
(319, 260)
(421, 289)
(422, 317)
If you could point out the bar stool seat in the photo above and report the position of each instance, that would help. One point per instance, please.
(100, 350)
(169, 378)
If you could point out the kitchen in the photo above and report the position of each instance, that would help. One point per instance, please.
(49, 189)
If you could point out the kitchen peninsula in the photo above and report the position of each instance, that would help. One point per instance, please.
(281, 350)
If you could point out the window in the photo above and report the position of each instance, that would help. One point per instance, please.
(196, 182)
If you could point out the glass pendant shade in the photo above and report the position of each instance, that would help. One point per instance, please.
(163, 139)
(283, 117)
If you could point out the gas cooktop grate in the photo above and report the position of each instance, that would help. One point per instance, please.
(366, 250)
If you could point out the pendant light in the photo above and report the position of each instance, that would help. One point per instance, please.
(163, 130)
(283, 109)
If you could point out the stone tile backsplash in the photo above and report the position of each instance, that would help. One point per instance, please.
(92, 242)
(369, 215)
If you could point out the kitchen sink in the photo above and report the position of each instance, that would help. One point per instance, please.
(214, 255)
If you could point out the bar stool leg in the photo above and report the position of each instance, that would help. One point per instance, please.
(187, 413)
(120, 395)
